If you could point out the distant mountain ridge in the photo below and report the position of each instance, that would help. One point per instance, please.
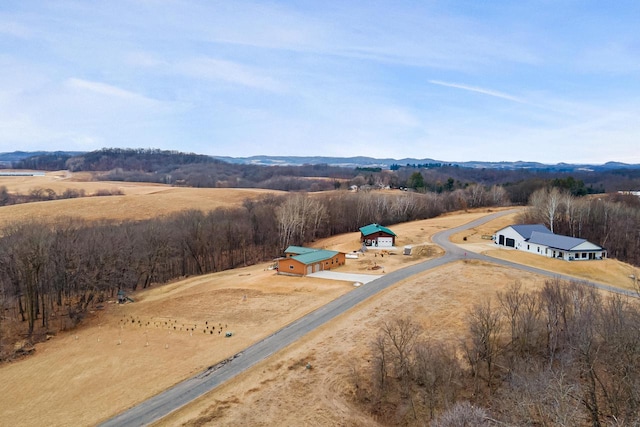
(386, 163)
(7, 158)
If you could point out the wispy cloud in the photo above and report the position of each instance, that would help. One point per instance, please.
(107, 90)
(242, 77)
(15, 29)
(103, 89)
(230, 72)
(480, 90)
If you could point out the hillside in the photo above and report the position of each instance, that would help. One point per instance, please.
(149, 343)
(96, 161)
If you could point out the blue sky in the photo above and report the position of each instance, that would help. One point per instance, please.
(549, 81)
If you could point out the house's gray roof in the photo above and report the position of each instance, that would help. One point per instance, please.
(525, 230)
(555, 241)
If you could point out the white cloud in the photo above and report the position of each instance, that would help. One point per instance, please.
(107, 90)
(15, 29)
(143, 59)
(480, 90)
(229, 72)
(350, 77)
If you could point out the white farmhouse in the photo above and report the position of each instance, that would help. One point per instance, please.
(538, 239)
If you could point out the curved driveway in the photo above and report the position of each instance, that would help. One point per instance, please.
(442, 239)
(181, 394)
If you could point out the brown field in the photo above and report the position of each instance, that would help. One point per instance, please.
(280, 391)
(127, 353)
(140, 200)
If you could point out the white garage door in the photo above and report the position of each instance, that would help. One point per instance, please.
(385, 242)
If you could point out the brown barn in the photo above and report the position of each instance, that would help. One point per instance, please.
(300, 261)
(376, 235)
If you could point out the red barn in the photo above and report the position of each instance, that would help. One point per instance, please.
(377, 235)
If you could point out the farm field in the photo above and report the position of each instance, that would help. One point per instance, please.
(126, 353)
(281, 391)
(139, 200)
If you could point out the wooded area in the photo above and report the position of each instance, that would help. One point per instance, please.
(565, 355)
(51, 275)
(55, 273)
(44, 194)
(188, 169)
(611, 221)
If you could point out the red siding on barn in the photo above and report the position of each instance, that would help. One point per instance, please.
(374, 237)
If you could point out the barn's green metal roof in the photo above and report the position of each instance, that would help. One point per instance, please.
(316, 256)
(374, 228)
(299, 250)
(310, 255)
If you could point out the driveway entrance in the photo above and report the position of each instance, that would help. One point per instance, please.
(347, 277)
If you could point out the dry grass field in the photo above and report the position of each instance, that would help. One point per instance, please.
(139, 200)
(127, 353)
(280, 391)
(608, 271)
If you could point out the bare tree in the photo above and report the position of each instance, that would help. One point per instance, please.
(437, 372)
(511, 302)
(586, 347)
(380, 371)
(619, 331)
(498, 195)
(402, 334)
(571, 212)
(554, 305)
(483, 347)
(546, 204)
(536, 395)
(476, 195)
(464, 414)
(299, 219)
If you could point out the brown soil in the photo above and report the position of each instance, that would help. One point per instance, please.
(127, 353)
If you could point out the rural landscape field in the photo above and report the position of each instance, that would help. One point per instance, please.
(298, 213)
(122, 354)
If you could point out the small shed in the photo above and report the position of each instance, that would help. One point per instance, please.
(376, 235)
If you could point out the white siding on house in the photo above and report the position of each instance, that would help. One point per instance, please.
(539, 240)
(509, 237)
(535, 249)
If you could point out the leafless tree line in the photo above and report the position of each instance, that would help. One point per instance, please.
(565, 355)
(611, 222)
(51, 274)
(44, 194)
